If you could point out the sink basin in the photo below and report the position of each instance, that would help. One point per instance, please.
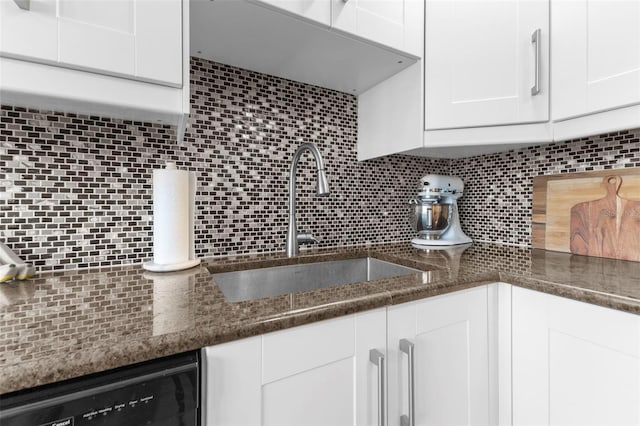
(267, 282)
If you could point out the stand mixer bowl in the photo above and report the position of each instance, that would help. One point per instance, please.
(429, 217)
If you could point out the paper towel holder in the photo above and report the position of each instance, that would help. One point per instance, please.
(192, 261)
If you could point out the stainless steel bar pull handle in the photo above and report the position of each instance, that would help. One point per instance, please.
(23, 4)
(535, 40)
(407, 346)
(376, 357)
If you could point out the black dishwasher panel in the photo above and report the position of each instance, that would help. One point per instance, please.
(158, 393)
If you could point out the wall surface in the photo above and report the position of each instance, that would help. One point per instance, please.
(75, 191)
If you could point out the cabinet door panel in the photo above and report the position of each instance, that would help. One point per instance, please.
(393, 23)
(320, 396)
(98, 35)
(232, 373)
(371, 333)
(303, 348)
(332, 381)
(137, 38)
(401, 325)
(480, 63)
(315, 10)
(452, 337)
(451, 353)
(159, 41)
(29, 34)
(443, 374)
(378, 20)
(575, 366)
(573, 363)
(595, 56)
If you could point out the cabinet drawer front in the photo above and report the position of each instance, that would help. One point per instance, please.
(299, 349)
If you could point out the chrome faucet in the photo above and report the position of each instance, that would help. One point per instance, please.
(322, 189)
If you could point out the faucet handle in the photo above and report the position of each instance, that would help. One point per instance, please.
(306, 238)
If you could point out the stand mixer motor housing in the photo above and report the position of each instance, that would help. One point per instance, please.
(434, 212)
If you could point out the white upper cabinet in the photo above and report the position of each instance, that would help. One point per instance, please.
(394, 23)
(315, 10)
(486, 63)
(358, 46)
(29, 34)
(482, 87)
(139, 39)
(595, 56)
(121, 59)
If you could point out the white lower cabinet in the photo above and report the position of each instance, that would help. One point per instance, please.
(324, 374)
(573, 363)
(449, 334)
(317, 374)
(491, 355)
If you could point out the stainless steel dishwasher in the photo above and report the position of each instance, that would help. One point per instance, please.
(163, 392)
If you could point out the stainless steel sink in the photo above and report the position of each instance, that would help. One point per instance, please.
(267, 282)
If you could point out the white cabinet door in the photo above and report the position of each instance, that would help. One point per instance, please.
(29, 33)
(317, 374)
(595, 56)
(394, 23)
(97, 35)
(232, 383)
(481, 62)
(573, 363)
(451, 352)
(141, 39)
(315, 10)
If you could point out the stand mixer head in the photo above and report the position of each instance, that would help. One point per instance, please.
(434, 212)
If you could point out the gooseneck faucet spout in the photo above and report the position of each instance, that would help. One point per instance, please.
(322, 189)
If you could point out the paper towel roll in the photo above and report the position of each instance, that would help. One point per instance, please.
(172, 221)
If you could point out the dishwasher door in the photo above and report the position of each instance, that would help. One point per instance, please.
(158, 393)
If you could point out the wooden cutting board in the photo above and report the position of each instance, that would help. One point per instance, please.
(592, 213)
(629, 240)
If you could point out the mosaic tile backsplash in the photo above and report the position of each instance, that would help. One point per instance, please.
(75, 191)
(497, 205)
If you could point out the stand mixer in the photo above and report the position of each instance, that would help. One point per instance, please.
(434, 212)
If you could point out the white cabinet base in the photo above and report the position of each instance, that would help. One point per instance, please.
(491, 355)
(450, 334)
(573, 363)
(316, 374)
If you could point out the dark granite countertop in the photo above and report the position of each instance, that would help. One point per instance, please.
(69, 324)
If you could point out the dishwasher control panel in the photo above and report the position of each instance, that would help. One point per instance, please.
(156, 395)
